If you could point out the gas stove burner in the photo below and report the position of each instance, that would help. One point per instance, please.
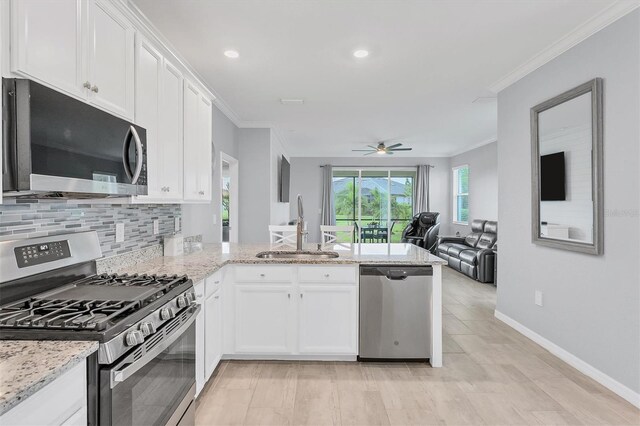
(93, 303)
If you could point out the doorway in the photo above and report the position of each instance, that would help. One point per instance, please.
(229, 198)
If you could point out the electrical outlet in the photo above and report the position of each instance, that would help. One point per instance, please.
(119, 232)
(156, 227)
(177, 224)
(538, 298)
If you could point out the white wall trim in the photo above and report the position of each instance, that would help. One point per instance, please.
(609, 15)
(585, 368)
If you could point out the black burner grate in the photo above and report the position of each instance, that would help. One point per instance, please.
(53, 310)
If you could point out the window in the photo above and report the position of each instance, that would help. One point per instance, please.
(461, 194)
(378, 201)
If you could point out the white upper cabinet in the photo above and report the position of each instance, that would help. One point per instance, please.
(82, 47)
(47, 42)
(110, 67)
(148, 87)
(171, 138)
(205, 169)
(191, 140)
(197, 144)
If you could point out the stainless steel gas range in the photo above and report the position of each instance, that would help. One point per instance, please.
(144, 370)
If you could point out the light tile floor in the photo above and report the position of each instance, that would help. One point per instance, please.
(491, 375)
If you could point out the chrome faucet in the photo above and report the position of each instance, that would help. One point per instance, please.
(300, 231)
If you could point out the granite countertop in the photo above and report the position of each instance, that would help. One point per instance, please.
(201, 264)
(26, 366)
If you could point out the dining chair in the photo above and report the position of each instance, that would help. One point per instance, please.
(330, 234)
(282, 235)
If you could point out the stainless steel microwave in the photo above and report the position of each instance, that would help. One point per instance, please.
(55, 145)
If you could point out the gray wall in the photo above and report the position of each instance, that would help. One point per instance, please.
(205, 218)
(306, 179)
(39, 218)
(591, 303)
(483, 184)
(254, 150)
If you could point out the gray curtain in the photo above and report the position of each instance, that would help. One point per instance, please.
(328, 214)
(421, 190)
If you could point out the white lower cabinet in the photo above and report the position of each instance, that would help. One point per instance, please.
(213, 333)
(263, 315)
(201, 377)
(298, 317)
(61, 402)
(328, 319)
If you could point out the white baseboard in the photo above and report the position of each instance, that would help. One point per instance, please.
(580, 365)
(288, 357)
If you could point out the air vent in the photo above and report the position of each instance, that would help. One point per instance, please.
(292, 101)
(150, 343)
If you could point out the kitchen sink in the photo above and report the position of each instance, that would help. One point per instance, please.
(297, 255)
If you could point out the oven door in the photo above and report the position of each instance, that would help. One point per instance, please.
(154, 384)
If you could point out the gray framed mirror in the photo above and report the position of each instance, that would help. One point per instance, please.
(566, 163)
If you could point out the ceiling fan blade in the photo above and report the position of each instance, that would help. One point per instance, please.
(369, 153)
(372, 147)
(363, 150)
(395, 145)
(402, 149)
(389, 152)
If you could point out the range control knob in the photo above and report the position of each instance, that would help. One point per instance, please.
(147, 328)
(133, 338)
(167, 314)
(191, 298)
(182, 301)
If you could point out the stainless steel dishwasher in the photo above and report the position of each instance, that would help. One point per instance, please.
(395, 312)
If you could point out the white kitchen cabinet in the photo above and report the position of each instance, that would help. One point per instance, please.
(294, 311)
(110, 58)
(197, 144)
(46, 42)
(328, 319)
(82, 47)
(171, 140)
(201, 378)
(149, 68)
(61, 402)
(213, 332)
(263, 318)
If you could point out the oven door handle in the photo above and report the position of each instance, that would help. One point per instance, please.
(132, 133)
(119, 374)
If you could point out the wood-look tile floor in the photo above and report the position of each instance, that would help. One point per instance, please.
(491, 375)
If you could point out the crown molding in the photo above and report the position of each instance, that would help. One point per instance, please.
(606, 17)
(472, 147)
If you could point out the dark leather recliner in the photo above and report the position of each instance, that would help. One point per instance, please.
(472, 255)
(423, 230)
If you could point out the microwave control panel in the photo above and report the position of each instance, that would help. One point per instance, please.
(42, 253)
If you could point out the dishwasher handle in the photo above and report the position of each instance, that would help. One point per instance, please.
(397, 272)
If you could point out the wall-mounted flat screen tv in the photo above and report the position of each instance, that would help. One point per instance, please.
(552, 177)
(285, 178)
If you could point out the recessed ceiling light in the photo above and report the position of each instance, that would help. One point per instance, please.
(231, 54)
(361, 53)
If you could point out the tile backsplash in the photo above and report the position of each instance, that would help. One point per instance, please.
(36, 218)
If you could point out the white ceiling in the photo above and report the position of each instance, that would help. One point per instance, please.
(429, 60)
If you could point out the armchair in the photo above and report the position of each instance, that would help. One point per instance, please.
(423, 230)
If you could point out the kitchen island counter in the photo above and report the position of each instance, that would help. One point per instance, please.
(203, 263)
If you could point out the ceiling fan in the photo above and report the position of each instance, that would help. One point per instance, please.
(383, 149)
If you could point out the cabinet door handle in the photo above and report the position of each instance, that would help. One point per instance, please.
(217, 282)
(289, 295)
(326, 275)
(94, 89)
(201, 192)
(301, 295)
(262, 275)
(87, 85)
(216, 297)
